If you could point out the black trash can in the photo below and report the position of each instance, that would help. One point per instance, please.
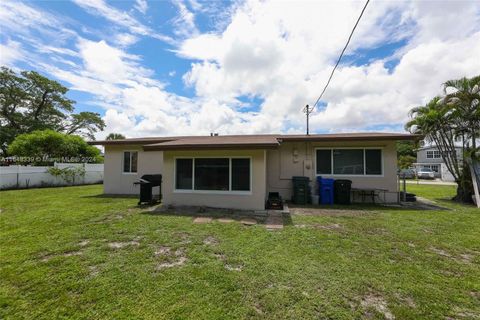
(147, 182)
(301, 190)
(342, 190)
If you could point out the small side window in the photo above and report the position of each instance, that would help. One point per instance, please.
(130, 160)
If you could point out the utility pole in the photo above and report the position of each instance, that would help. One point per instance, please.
(307, 110)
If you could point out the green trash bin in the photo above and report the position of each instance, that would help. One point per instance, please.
(341, 191)
(301, 190)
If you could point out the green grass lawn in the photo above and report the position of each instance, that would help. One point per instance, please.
(72, 253)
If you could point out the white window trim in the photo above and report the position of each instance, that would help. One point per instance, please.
(434, 154)
(351, 175)
(123, 162)
(220, 192)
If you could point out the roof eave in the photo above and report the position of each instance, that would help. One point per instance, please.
(410, 137)
(209, 147)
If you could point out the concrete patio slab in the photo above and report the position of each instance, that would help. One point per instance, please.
(248, 221)
(202, 220)
(274, 220)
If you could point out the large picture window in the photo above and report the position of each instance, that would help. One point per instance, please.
(349, 162)
(213, 174)
(130, 159)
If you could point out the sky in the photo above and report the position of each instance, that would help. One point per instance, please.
(190, 67)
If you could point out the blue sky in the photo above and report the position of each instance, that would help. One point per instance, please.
(193, 67)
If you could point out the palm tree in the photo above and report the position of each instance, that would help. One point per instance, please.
(463, 98)
(434, 122)
(115, 136)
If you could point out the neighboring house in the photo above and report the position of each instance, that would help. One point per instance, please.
(239, 171)
(431, 158)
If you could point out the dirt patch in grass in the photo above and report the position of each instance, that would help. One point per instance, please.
(333, 226)
(229, 266)
(407, 300)
(377, 303)
(464, 314)
(120, 245)
(328, 212)
(330, 227)
(220, 256)
(462, 258)
(72, 253)
(175, 258)
(475, 294)
(48, 256)
(234, 267)
(94, 271)
(83, 243)
(210, 241)
(161, 251)
(184, 237)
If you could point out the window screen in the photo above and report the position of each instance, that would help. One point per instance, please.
(184, 174)
(348, 161)
(373, 161)
(240, 174)
(324, 161)
(212, 174)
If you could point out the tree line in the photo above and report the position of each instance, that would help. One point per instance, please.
(37, 119)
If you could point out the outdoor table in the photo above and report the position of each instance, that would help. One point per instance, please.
(368, 192)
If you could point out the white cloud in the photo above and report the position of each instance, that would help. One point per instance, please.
(10, 52)
(285, 53)
(184, 24)
(121, 18)
(125, 39)
(141, 5)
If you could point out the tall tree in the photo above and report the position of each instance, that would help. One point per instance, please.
(444, 120)
(115, 136)
(30, 101)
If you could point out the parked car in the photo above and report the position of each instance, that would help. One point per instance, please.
(425, 173)
(407, 173)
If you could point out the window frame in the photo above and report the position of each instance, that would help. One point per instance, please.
(332, 174)
(225, 192)
(123, 162)
(435, 154)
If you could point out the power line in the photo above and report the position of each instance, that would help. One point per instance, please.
(307, 109)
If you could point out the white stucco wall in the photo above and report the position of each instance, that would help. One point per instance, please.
(283, 164)
(118, 182)
(255, 200)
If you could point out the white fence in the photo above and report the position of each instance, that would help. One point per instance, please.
(19, 177)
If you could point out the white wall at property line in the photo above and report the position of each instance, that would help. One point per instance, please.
(13, 177)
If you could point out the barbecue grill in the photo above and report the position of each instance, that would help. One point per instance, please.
(147, 182)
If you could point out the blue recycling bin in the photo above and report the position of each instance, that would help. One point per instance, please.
(325, 190)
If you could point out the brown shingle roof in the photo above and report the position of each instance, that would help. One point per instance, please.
(247, 141)
(217, 142)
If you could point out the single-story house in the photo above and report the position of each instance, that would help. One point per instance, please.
(238, 171)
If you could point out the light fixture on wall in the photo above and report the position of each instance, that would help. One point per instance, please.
(295, 155)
